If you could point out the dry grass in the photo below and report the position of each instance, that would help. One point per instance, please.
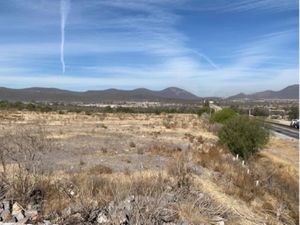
(100, 169)
(223, 188)
(277, 193)
(232, 173)
(164, 150)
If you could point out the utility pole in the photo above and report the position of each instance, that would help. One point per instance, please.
(210, 104)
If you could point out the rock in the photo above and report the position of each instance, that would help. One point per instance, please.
(47, 222)
(36, 197)
(185, 147)
(20, 216)
(102, 218)
(6, 205)
(93, 215)
(75, 219)
(183, 222)
(171, 197)
(16, 208)
(198, 170)
(32, 214)
(5, 216)
(219, 220)
(200, 147)
(22, 221)
(99, 215)
(74, 208)
(18, 212)
(122, 212)
(126, 205)
(66, 212)
(168, 215)
(111, 207)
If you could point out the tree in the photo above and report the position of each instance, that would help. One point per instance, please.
(108, 109)
(204, 109)
(260, 112)
(243, 136)
(294, 113)
(222, 116)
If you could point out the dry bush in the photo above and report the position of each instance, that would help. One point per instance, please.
(122, 116)
(164, 150)
(169, 123)
(100, 169)
(21, 153)
(102, 116)
(132, 144)
(88, 192)
(279, 183)
(180, 171)
(140, 151)
(190, 137)
(200, 208)
(102, 125)
(233, 174)
(274, 183)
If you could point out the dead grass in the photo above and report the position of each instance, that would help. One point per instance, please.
(224, 189)
(164, 150)
(275, 185)
(234, 176)
(100, 169)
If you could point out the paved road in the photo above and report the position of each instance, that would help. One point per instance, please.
(293, 133)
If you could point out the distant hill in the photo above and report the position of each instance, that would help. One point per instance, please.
(58, 95)
(290, 92)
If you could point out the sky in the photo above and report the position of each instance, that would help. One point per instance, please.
(207, 47)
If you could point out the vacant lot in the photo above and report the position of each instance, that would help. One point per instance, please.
(170, 161)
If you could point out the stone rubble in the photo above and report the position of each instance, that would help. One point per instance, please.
(146, 210)
(122, 213)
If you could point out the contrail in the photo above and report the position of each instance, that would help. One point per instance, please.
(207, 59)
(64, 11)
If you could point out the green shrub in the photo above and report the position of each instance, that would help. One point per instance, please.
(31, 107)
(293, 113)
(243, 136)
(222, 116)
(260, 112)
(108, 109)
(204, 109)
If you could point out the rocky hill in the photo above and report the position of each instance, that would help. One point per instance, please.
(58, 95)
(290, 92)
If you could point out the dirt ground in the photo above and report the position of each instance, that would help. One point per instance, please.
(125, 142)
(120, 141)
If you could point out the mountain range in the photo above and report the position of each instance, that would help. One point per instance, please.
(290, 92)
(58, 95)
(140, 94)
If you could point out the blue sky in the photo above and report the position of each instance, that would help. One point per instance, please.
(208, 47)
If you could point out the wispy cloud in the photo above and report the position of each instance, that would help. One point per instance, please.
(142, 43)
(64, 11)
(266, 5)
(254, 6)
